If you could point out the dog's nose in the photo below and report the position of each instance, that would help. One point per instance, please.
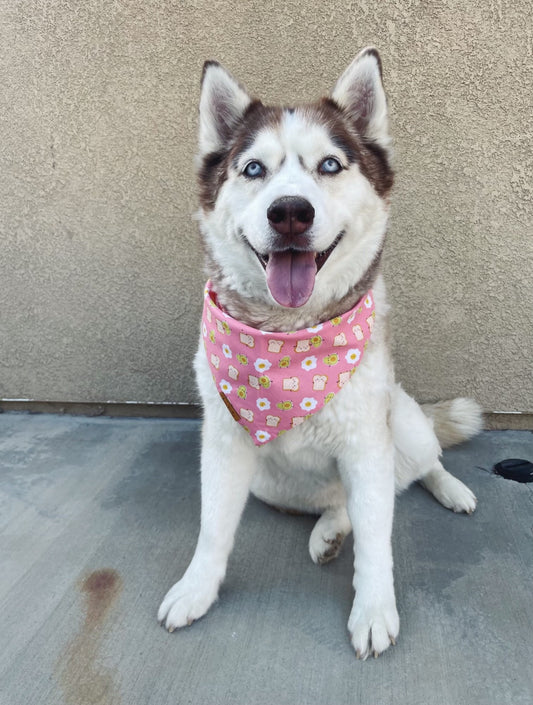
(291, 215)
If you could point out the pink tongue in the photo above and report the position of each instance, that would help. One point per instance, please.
(291, 277)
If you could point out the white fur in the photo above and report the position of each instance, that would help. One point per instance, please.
(346, 461)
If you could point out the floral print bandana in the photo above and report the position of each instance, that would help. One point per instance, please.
(272, 382)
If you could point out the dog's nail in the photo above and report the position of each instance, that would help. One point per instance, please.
(393, 641)
(190, 621)
(171, 629)
(358, 653)
(375, 654)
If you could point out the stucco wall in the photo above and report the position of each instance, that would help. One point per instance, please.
(100, 269)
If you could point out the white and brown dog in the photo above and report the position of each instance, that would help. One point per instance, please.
(294, 208)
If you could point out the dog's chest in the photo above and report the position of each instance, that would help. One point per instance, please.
(300, 454)
(315, 442)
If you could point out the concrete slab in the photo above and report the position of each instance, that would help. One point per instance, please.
(99, 517)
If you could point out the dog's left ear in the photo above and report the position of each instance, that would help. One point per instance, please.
(223, 102)
(359, 91)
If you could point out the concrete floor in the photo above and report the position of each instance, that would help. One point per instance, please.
(99, 517)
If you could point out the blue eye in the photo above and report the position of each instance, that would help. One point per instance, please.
(254, 170)
(330, 165)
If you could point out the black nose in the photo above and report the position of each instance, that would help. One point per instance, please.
(291, 215)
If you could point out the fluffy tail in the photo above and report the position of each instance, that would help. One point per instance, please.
(455, 421)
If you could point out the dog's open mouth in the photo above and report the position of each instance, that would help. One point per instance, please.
(291, 274)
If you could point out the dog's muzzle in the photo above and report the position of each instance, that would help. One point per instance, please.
(291, 265)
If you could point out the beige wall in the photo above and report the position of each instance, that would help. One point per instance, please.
(100, 272)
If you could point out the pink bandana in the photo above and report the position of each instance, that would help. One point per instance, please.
(272, 382)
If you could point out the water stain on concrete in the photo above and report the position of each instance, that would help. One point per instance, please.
(84, 680)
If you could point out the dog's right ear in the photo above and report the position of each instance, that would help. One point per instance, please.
(222, 104)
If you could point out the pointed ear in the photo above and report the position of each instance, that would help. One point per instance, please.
(222, 104)
(359, 91)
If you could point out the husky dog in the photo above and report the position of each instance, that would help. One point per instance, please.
(294, 208)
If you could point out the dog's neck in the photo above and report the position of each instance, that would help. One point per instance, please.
(267, 316)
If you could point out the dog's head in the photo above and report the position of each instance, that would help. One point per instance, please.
(294, 200)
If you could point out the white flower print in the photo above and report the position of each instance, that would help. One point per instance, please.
(315, 329)
(262, 436)
(263, 404)
(262, 365)
(368, 301)
(204, 330)
(225, 386)
(309, 363)
(226, 350)
(308, 404)
(353, 356)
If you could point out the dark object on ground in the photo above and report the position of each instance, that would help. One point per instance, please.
(515, 469)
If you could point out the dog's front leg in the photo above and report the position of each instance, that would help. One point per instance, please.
(367, 470)
(227, 467)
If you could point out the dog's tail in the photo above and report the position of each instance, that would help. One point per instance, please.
(455, 420)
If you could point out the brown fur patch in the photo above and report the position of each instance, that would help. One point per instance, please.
(370, 157)
(211, 176)
(213, 170)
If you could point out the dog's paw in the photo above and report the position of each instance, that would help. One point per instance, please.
(448, 490)
(328, 535)
(324, 548)
(185, 602)
(373, 628)
(455, 495)
(459, 498)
